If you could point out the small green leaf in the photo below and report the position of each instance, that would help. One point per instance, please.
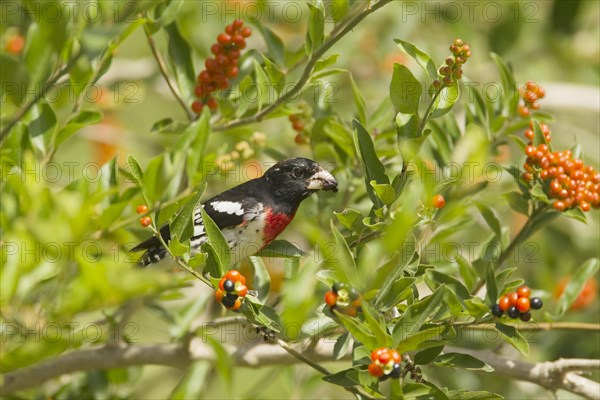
(451, 283)
(135, 170)
(408, 125)
(385, 192)
(422, 58)
(274, 43)
(192, 384)
(342, 259)
(358, 329)
(513, 337)
(374, 170)
(350, 218)
(359, 100)
(426, 356)
(582, 274)
(325, 62)
(345, 378)
(405, 90)
(517, 202)
(490, 218)
(182, 224)
(445, 100)
(316, 27)
(170, 12)
(261, 280)
(341, 346)
(460, 360)
(216, 239)
(416, 315)
(491, 285)
(75, 123)
(180, 57)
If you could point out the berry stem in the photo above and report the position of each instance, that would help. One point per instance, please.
(306, 73)
(164, 71)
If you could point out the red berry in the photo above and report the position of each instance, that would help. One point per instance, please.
(197, 106)
(212, 103)
(234, 55)
(219, 294)
(524, 291)
(141, 209)
(512, 298)
(232, 72)
(438, 201)
(224, 39)
(222, 59)
(385, 357)
(396, 356)
(523, 304)
(559, 205)
(198, 91)
(235, 276)
(298, 126)
(229, 29)
(242, 290)
(216, 49)
(504, 303)
(237, 24)
(375, 353)
(376, 370)
(330, 298)
(145, 221)
(204, 76)
(246, 32)
(300, 139)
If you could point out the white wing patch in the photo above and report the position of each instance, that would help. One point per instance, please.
(229, 207)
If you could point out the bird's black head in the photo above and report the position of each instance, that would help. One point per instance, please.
(297, 178)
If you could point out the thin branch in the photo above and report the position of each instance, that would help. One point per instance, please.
(552, 375)
(165, 73)
(52, 80)
(541, 326)
(333, 39)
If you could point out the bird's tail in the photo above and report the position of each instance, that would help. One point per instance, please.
(155, 251)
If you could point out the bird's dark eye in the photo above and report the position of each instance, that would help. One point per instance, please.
(297, 172)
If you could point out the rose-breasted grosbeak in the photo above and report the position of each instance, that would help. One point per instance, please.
(252, 214)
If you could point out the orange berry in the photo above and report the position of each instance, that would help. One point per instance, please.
(235, 276)
(523, 304)
(512, 298)
(330, 298)
(197, 106)
(236, 306)
(376, 370)
(504, 303)
(586, 297)
(242, 291)
(145, 221)
(559, 205)
(298, 126)
(524, 291)
(212, 103)
(219, 294)
(221, 282)
(375, 353)
(385, 357)
(141, 209)
(396, 356)
(15, 45)
(438, 201)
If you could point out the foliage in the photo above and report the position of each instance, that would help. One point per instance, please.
(426, 275)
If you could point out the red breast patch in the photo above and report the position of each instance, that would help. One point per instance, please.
(274, 225)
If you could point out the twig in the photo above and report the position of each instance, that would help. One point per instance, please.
(553, 375)
(306, 72)
(165, 73)
(27, 106)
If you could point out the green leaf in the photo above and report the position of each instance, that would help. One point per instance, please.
(170, 12)
(274, 43)
(342, 259)
(316, 27)
(451, 283)
(192, 384)
(41, 120)
(350, 218)
(445, 100)
(467, 271)
(422, 58)
(345, 378)
(460, 360)
(408, 125)
(281, 249)
(396, 293)
(426, 356)
(262, 84)
(491, 285)
(376, 323)
(341, 346)
(177, 248)
(358, 329)
(509, 87)
(416, 315)
(180, 57)
(75, 123)
(193, 143)
(216, 239)
(135, 170)
(326, 62)
(276, 77)
(182, 225)
(405, 90)
(374, 170)
(490, 218)
(575, 213)
(359, 100)
(538, 135)
(385, 192)
(512, 336)
(167, 125)
(517, 202)
(261, 280)
(582, 274)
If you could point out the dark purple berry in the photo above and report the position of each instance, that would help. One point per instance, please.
(395, 372)
(228, 285)
(525, 317)
(513, 312)
(228, 301)
(337, 286)
(497, 311)
(535, 303)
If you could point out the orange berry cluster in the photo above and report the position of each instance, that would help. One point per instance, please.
(144, 221)
(517, 304)
(386, 363)
(344, 299)
(232, 289)
(223, 66)
(452, 71)
(530, 94)
(565, 179)
(298, 126)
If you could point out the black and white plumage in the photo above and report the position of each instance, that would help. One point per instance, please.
(252, 214)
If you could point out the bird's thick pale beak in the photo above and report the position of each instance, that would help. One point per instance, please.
(322, 180)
